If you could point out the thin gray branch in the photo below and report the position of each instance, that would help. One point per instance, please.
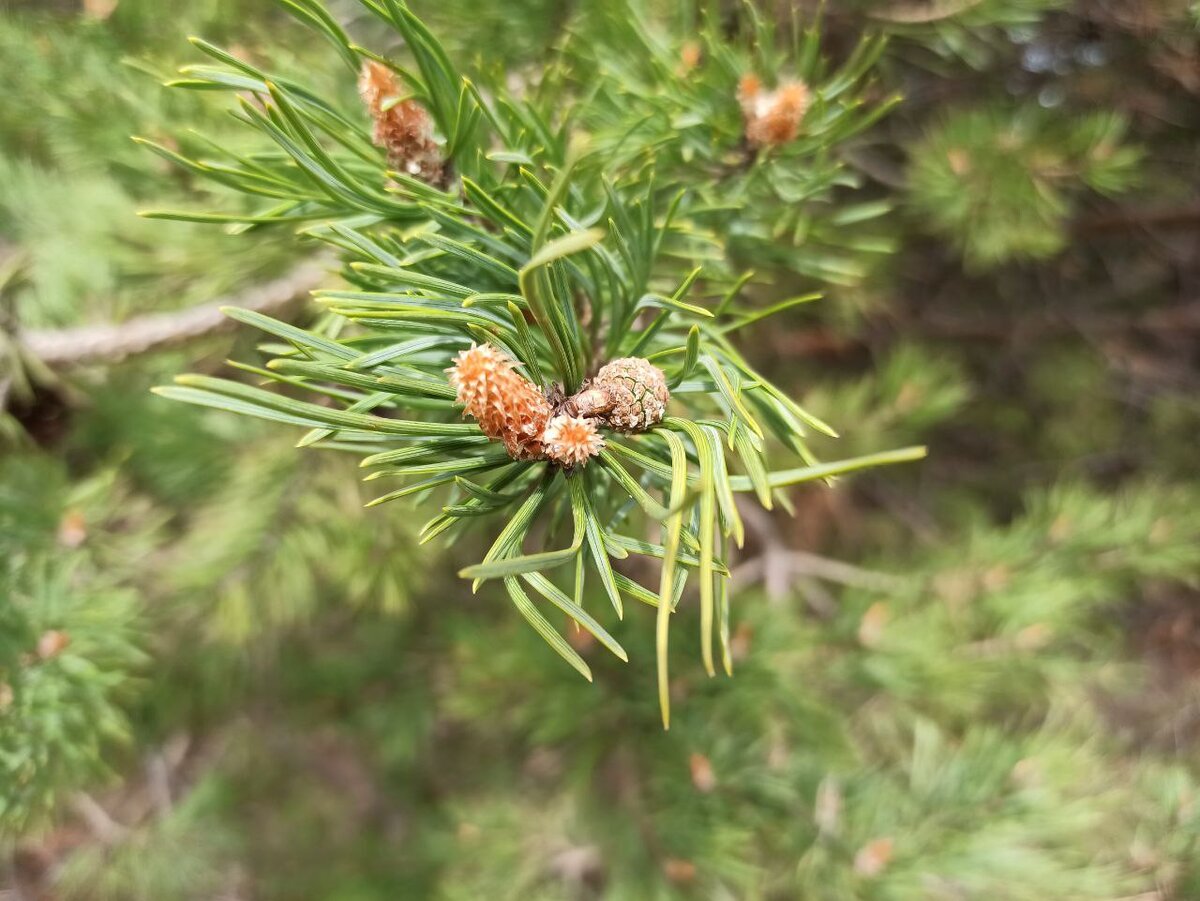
(110, 343)
(924, 13)
(797, 564)
(101, 824)
(781, 569)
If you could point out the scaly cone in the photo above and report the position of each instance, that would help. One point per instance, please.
(636, 391)
(507, 406)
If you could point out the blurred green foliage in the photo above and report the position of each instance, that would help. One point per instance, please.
(1000, 185)
(268, 692)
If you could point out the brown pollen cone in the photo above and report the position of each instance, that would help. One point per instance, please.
(772, 117)
(571, 440)
(507, 406)
(402, 126)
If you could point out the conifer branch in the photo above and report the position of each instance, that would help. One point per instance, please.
(536, 257)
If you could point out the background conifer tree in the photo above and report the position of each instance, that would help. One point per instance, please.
(969, 677)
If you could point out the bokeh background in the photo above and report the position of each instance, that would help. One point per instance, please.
(973, 677)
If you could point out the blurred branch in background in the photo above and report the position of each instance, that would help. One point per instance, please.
(112, 343)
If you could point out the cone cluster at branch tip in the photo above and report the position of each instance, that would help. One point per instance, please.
(628, 395)
(402, 126)
(772, 117)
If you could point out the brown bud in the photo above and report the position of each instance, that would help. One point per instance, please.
(681, 872)
(873, 857)
(72, 529)
(872, 625)
(52, 643)
(689, 56)
(703, 776)
(772, 117)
